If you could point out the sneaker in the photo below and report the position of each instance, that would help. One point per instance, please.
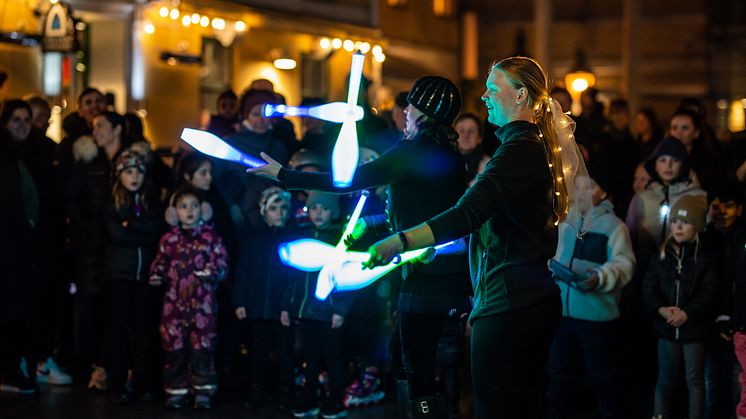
(98, 378)
(177, 401)
(333, 411)
(18, 383)
(306, 413)
(351, 400)
(202, 402)
(48, 372)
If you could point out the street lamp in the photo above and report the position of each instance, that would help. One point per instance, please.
(579, 79)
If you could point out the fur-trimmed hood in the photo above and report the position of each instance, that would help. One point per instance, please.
(85, 149)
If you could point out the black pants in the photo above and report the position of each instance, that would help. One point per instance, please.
(509, 353)
(322, 345)
(419, 335)
(266, 336)
(594, 345)
(132, 335)
(88, 326)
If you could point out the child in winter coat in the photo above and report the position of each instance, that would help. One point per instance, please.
(191, 261)
(595, 246)
(319, 321)
(132, 226)
(261, 280)
(680, 288)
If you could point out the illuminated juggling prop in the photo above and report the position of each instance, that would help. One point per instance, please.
(346, 150)
(212, 145)
(341, 269)
(337, 112)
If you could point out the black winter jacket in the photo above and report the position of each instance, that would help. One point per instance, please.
(261, 277)
(131, 248)
(300, 296)
(690, 284)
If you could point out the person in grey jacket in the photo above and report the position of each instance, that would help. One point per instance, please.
(597, 251)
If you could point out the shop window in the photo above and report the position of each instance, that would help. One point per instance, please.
(216, 72)
(315, 77)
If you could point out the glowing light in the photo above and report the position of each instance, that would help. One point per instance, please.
(336, 43)
(346, 150)
(308, 255)
(663, 210)
(285, 63)
(240, 26)
(325, 43)
(149, 28)
(380, 58)
(80, 26)
(142, 113)
(579, 85)
(163, 11)
(337, 112)
(348, 45)
(204, 21)
(365, 47)
(195, 18)
(210, 144)
(218, 24)
(52, 73)
(174, 14)
(186, 20)
(80, 67)
(377, 50)
(54, 1)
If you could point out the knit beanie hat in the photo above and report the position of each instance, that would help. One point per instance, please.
(129, 159)
(253, 97)
(436, 97)
(691, 209)
(328, 200)
(669, 146)
(272, 195)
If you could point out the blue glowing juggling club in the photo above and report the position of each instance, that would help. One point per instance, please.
(346, 150)
(336, 112)
(212, 145)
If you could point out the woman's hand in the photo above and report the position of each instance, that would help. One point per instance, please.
(240, 313)
(337, 321)
(285, 318)
(384, 251)
(270, 170)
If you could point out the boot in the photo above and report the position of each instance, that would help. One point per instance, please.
(402, 398)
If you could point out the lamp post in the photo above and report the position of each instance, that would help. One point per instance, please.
(579, 79)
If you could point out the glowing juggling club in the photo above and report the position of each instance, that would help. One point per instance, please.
(310, 255)
(212, 145)
(349, 274)
(337, 112)
(346, 149)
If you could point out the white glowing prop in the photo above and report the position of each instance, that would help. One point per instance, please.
(346, 150)
(210, 144)
(336, 112)
(349, 274)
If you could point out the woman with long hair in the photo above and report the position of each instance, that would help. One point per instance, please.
(512, 212)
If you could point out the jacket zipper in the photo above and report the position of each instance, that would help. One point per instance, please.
(139, 263)
(482, 271)
(305, 297)
(678, 285)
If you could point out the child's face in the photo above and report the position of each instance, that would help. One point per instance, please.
(641, 179)
(682, 127)
(132, 179)
(189, 211)
(202, 177)
(277, 212)
(668, 168)
(682, 231)
(258, 122)
(227, 108)
(725, 214)
(320, 215)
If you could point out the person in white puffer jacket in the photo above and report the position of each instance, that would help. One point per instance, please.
(595, 248)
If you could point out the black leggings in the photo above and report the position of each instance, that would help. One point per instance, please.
(509, 353)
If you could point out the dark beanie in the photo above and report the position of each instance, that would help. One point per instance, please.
(255, 97)
(436, 97)
(691, 209)
(669, 146)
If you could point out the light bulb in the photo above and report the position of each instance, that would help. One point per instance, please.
(163, 11)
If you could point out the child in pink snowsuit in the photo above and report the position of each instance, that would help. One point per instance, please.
(191, 260)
